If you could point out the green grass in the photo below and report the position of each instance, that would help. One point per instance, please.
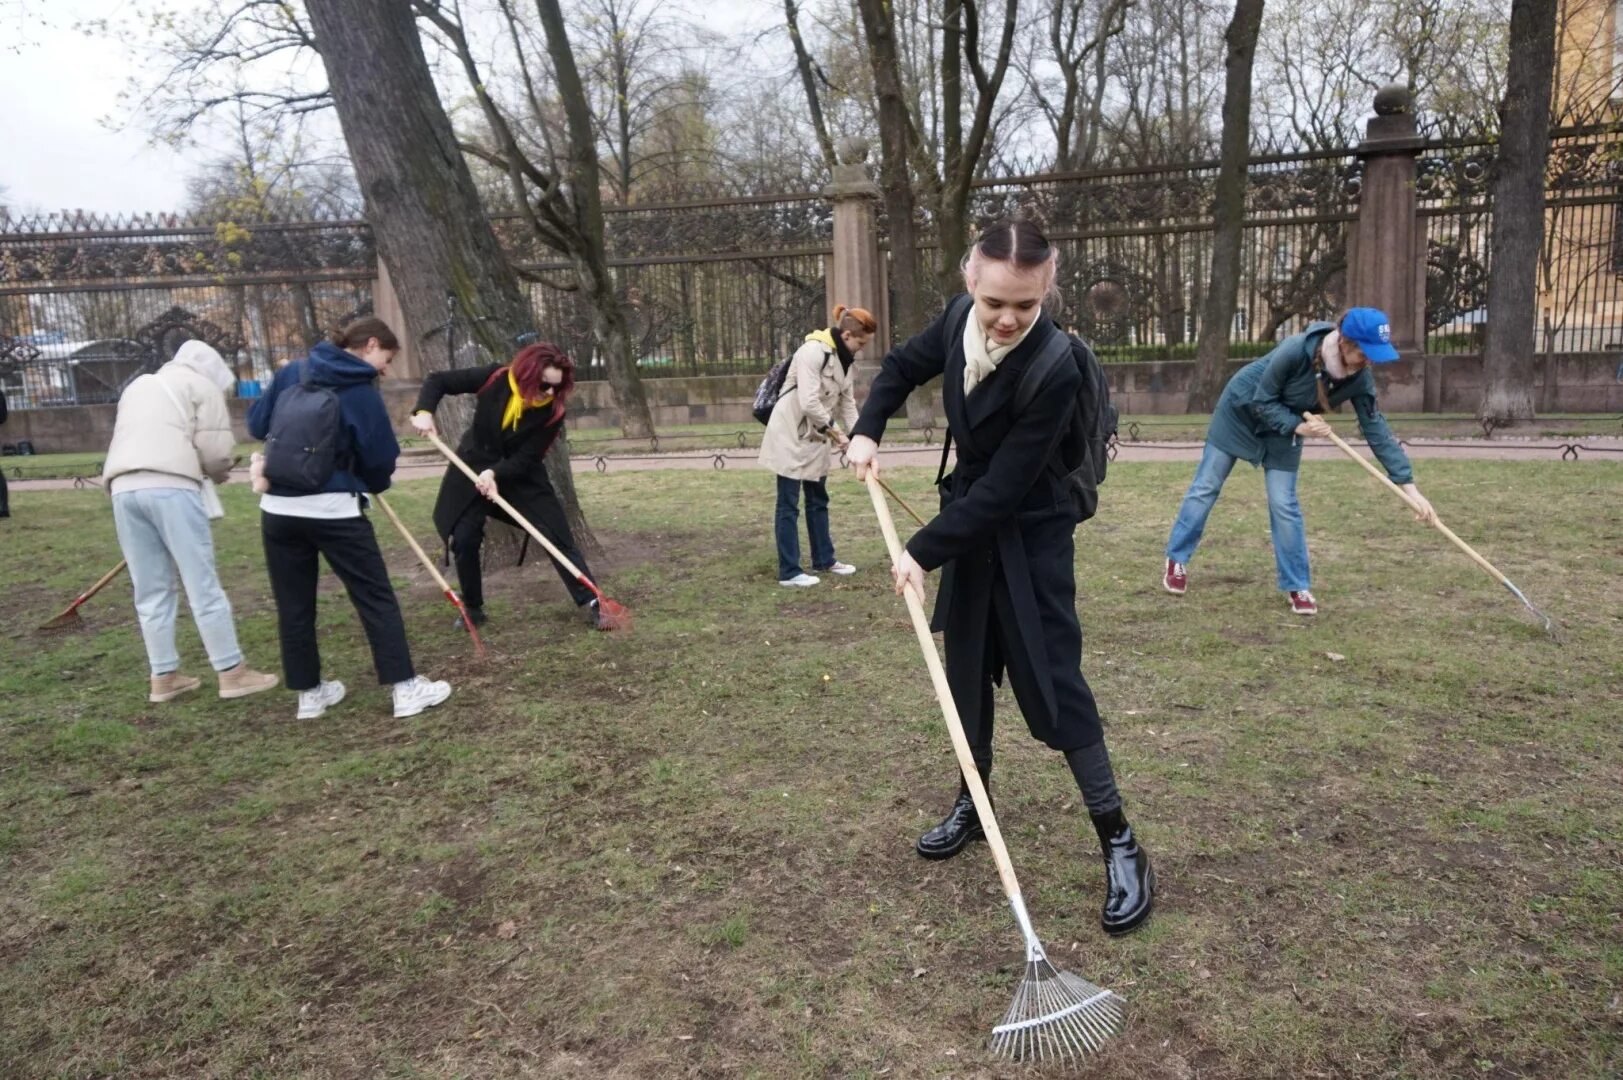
(687, 851)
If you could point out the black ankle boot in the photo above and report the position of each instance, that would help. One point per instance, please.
(476, 615)
(961, 825)
(1129, 881)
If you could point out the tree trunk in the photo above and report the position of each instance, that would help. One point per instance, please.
(608, 313)
(896, 139)
(1518, 215)
(1212, 347)
(430, 228)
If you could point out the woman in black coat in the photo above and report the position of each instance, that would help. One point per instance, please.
(518, 415)
(1004, 540)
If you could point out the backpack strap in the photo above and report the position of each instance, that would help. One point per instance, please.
(958, 312)
(1054, 350)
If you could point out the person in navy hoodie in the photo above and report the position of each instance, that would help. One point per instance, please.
(300, 525)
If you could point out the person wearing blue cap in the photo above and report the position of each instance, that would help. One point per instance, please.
(1266, 410)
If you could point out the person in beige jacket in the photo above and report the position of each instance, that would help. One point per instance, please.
(171, 441)
(815, 410)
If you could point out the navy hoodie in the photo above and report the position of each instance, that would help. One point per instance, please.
(371, 435)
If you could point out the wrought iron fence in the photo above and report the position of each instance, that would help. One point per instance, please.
(82, 346)
(1135, 248)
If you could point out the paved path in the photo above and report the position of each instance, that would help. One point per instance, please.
(1587, 448)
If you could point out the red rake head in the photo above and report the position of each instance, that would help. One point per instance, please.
(612, 615)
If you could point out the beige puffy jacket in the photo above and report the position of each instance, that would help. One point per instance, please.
(817, 392)
(193, 440)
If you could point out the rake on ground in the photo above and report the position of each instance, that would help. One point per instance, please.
(1493, 572)
(439, 579)
(1054, 1015)
(611, 615)
(69, 618)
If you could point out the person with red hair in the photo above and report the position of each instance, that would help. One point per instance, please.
(517, 416)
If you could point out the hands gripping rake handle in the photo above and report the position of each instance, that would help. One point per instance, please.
(1492, 571)
(450, 455)
(955, 728)
(439, 579)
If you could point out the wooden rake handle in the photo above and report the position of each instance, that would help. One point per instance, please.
(439, 578)
(1436, 522)
(451, 456)
(955, 726)
(100, 585)
(900, 501)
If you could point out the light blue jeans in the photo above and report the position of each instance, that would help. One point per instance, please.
(162, 530)
(1284, 517)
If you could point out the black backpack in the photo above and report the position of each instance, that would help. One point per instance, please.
(302, 448)
(771, 388)
(1083, 450)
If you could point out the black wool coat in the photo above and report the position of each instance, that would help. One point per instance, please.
(514, 455)
(1005, 537)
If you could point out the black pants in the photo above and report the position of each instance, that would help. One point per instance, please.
(292, 545)
(546, 515)
(5, 496)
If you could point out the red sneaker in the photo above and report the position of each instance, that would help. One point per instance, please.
(1302, 603)
(1176, 578)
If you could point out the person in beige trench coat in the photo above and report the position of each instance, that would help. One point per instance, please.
(815, 410)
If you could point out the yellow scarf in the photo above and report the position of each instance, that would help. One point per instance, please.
(516, 405)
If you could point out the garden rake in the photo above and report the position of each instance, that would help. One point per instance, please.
(1493, 572)
(439, 579)
(69, 618)
(611, 615)
(1054, 1015)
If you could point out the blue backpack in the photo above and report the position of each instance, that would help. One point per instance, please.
(303, 447)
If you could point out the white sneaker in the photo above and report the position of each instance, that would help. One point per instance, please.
(312, 703)
(840, 568)
(800, 581)
(416, 694)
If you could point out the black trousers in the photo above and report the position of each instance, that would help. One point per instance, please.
(546, 515)
(5, 495)
(293, 546)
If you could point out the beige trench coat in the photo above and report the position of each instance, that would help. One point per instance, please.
(817, 392)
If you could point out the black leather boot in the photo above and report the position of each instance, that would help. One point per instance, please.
(1129, 881)
(961, 825)
(476, 615)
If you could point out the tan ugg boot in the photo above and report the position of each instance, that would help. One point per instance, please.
(171, 686)
(243, 680)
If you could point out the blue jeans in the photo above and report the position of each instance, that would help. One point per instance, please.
(162, 530)
(787, 525)
(1284, 517)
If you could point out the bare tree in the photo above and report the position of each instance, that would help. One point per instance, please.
(562, 208)
(811, 77)
(897, 138)
(1077, 38)
(1211, 353)
(1518, 217)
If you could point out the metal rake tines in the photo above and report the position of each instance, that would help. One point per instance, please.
(1057, 1016)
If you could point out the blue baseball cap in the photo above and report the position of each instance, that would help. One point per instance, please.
(1370, 330)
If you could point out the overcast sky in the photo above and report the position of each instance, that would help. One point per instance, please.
(59, 90)
(57, 86)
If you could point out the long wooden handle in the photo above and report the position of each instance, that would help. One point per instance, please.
(1410, 503)
(439, 578)
(450, 455)
(955, 726)
(99, 585)
(900, 501)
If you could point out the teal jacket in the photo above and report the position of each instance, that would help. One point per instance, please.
(1256, 417)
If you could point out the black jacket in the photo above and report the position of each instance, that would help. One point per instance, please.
(516, 456)
(1005, 537)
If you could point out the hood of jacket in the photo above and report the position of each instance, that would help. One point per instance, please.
(202, 358)
(337, 368)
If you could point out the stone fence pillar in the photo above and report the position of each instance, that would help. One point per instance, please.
(856, 271)
(1386, 251)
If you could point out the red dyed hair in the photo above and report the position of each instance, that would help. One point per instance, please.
(527, 365)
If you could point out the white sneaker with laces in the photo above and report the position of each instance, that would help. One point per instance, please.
(841, 568)
(800, 581)
(312, 703)
(416, 694)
